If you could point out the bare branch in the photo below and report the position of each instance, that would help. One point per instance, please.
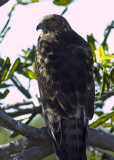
(35, 153)
(44, 148)
(20, 87)
(27, 131)
(4, 156)
(107, 32)
(100, 139)
(23, 103)
(39, 142)
(96, 137)
(17, 145)
(21, 112)
(105, 96)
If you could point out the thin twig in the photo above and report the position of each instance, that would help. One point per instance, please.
(107, 32)
(20, 87)
(16, 105)
(21, 112)
(105, 96)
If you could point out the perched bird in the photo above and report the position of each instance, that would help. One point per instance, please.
(63, 67)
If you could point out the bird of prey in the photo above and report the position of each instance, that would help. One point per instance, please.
(63, 65)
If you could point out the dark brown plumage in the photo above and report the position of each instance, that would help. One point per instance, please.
(64, 72)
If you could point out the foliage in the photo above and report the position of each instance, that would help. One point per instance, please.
(24, 65)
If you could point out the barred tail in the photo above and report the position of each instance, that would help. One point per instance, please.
(73, 145)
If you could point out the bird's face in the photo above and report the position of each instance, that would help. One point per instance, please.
(52, 23)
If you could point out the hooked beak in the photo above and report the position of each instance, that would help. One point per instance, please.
(39, 26)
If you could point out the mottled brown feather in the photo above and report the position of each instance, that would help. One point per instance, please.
(64, 72)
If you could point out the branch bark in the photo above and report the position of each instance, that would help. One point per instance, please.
(39, 142)
(35, 153)
(4, 156)
(25, 130)
(21, 112)
(16, 105)
(105, 96)
(20, 86)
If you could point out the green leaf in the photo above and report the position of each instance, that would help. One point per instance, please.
(5, 85)
(30, 74)
(92, 157)
(106, 47)
(107, 57)
(105, 80)
(26, 2)
(5, 69)
(30, 54)
(112, 74)
(15, 65)
(97, 75)
(1, 62)
(100, 54)
(22, 66)
(4, 94)
(10, 13)
(107, 124)
(33, 67)
(112, 120)
(112, 129)
(91, 40)
(102, 120)
(103, 83)
(99, 113)
(25, 52)
(62, 2)
(109, 63)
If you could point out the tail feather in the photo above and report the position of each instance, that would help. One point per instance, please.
(73, 145)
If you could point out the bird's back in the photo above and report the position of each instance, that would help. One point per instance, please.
(64, 72)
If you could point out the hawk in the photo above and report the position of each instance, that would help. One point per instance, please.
(63, 65)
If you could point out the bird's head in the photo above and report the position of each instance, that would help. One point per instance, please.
(53, 23)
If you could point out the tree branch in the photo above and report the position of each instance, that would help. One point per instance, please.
(100, 139)
(17, 145)
(45, 148)
(39, 142)
(35, 153)
(96, 137)
(21, 112)
(107, 32)
(16, 105)
(4, 156)
(105, 96)
(20, 87)
(25, 130)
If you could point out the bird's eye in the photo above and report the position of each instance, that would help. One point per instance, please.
(50, 21)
